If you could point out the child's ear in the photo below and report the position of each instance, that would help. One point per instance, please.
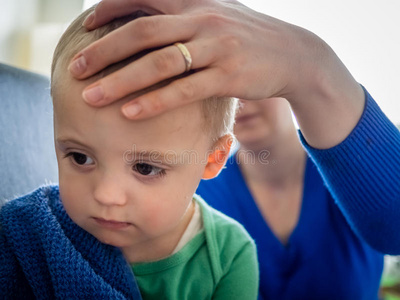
(219, 156)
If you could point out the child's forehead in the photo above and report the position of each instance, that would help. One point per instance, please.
(106, 130)
(69, 90)
(69, 105)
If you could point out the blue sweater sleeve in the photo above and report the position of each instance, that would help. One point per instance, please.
(363, 175)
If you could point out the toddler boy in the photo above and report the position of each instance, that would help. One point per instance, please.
(126, 194)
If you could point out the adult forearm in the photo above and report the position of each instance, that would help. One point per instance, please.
(363, 175)
(326, 100)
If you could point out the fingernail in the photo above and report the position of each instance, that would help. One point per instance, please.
(78, 66)
(89, 20)
(93, 95)
(132, 110)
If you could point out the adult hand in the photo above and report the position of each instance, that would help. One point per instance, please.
(227, 41)
(235, 51)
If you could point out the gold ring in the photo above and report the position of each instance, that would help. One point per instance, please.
(186, 55)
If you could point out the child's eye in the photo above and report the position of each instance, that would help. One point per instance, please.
(148, 170)
(81, 159)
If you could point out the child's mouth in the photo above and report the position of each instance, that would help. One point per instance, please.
(111, 224)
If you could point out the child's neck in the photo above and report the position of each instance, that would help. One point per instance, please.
(160, 247)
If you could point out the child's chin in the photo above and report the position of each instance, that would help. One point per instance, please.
(113, 242)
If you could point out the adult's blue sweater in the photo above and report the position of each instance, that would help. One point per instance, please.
(350, 205)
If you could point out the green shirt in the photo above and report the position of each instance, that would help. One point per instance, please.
(220, 262)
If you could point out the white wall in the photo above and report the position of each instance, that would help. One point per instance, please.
(30, 29)
(16, 19)
(365, 35)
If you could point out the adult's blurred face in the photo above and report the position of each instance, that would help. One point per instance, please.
(262, 124)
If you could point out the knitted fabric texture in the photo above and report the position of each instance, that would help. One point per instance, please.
(363, 175)
(44, 255)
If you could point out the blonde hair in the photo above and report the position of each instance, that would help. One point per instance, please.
(219, 112)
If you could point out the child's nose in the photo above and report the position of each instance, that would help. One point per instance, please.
(110, 191)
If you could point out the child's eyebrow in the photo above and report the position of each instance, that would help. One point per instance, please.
(63, 142)
(169, 157)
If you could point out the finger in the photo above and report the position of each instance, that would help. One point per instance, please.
(145, 72)
(133, 37)
(108, 10)
(150, 69)
(195, 87)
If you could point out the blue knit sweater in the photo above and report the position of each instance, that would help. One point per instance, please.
(363, 175)
(44, 255)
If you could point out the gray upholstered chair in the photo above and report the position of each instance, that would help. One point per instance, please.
(27, 157)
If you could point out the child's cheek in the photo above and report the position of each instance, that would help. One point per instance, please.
(162, 216)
